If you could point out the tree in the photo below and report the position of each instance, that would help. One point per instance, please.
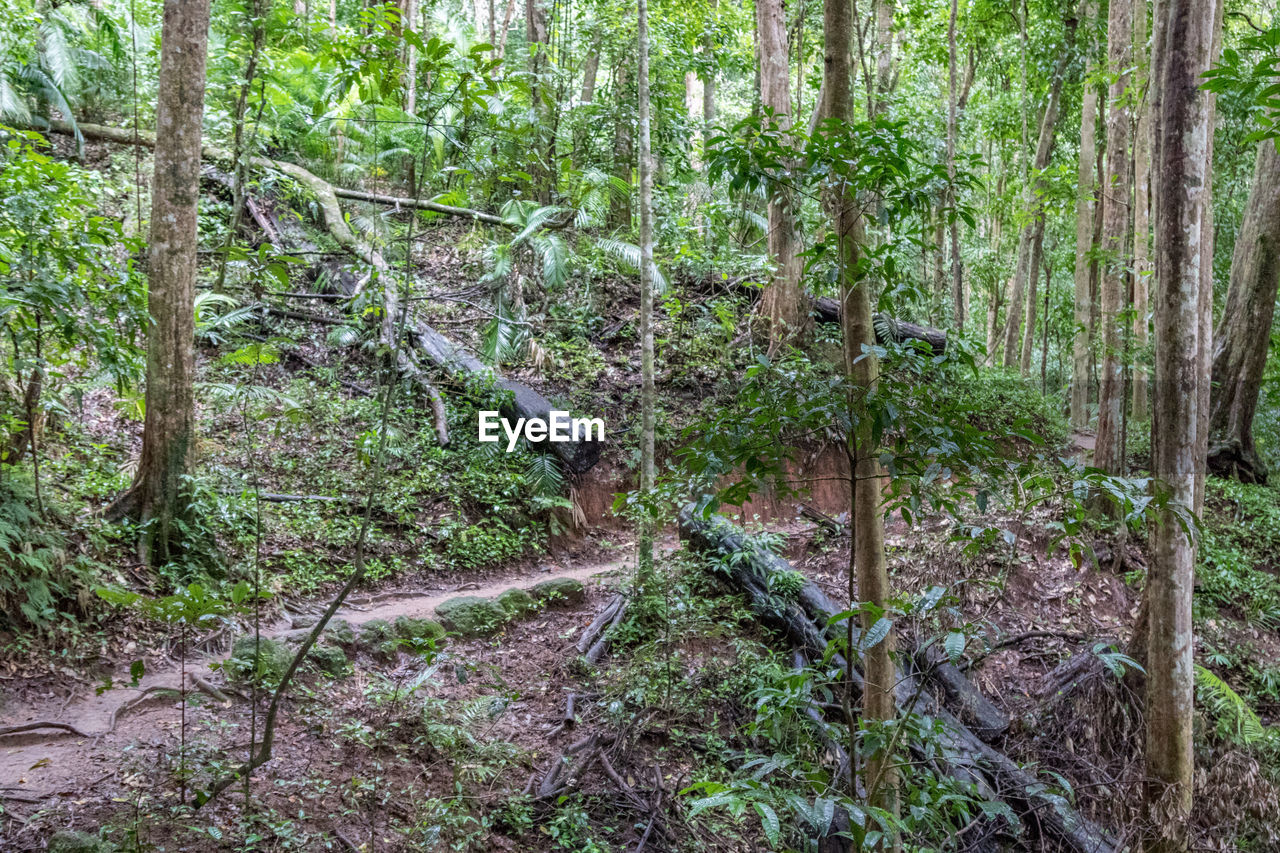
(1109, 452)
(781, 303)
(158, 494)
(1141, 208)
(648, 396)
(1243, 336)
(862, 369)
(957, 269)
(1082, 348)
(1017, 348)
(1182, 52)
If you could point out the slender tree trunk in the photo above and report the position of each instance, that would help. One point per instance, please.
(410, 23)
(957, 268)
(781, 303)
(1109, 452)
(867, 553)
(1141, 210)
(1206, 280)
(884, 56)
(1017, 348)
(1243, 336)
(1082, 348)
(158, 495)
(541, 167)
(624, 153)
(648, 397)
(1182, 52)
(501, 44)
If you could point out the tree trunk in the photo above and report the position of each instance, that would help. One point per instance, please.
(624, 152)
(158, 494)
(648, 396)
(1206, 281)
(957, 268)
(780, 304)
(410, 24)
(1182, 52)
(1141, 210)
(1082, 347)
(1109, 452)
(867, 556)
(1243, 336)
(501, 46)
(1017, 348)
(709, 81)
(540, 166)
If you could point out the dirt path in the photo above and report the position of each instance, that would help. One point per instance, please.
(48, 762)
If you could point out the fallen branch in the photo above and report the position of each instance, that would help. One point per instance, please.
(963, 754)
(43, 724)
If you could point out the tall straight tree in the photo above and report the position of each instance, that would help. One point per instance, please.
(1017, 349)
(648, 396)
(958, 306)
(868, 567)
(1086, 183)
(158, 494)
(781, 303)
(1109, 452)
(1243, 336)
(1141, 208)
(1182, 52)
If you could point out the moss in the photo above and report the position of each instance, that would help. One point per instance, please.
(409, 628)
(330, 660)
(269, 664)
(560, 591)
(518, 602)
(376, 631)
(75, 841)
(470, 616)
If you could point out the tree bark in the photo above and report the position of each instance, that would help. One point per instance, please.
(1243, 336)
(1032, 239)
(868, 573)
(781, 303)
(957, 267)
(1182, 52)
(1141, 210)
(648, 394)
(1109, 449)
(158, 494)
(624, 153)
(410, 23)
(1082, 346)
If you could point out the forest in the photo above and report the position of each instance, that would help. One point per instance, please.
(583, 425)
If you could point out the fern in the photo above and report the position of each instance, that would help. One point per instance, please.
(1236, 720)
(543, 474)
(629, 254)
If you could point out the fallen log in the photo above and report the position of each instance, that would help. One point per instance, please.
(579, 454)
(963, 754)
(888, 329)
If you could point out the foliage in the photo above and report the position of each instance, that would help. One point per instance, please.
(37, 574)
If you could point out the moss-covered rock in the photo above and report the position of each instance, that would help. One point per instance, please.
(471, 616)
(409, 628)
(268, 664)
(340, 631)
(375, 632)
(329, 659)
(518, 602)
(75, 841)
(559, 591)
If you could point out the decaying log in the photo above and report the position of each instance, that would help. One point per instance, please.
(599, 624)
(963, 754)
(578, 455)
(973, 708)
(827, 310)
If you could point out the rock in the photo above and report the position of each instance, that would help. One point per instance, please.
(268, 664)
(517, 602)
(375, 631)
(340, 631)
(329, 659)
(75, 841)
(409, 628)
(560, 591)
(471, 616)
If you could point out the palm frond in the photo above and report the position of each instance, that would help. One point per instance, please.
(629, 254)
(542, 473)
